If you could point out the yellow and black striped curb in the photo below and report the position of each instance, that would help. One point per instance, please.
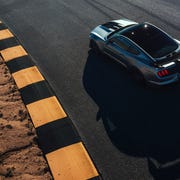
(63, 148)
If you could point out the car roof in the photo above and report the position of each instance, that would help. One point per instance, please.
(150, 38)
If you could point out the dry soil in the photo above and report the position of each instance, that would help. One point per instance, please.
(20, 156)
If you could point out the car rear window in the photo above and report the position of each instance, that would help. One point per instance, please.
(151, 39)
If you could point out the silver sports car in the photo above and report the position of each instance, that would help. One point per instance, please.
(150, 54)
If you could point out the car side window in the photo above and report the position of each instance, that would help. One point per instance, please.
(112, 40)
(125, 45)
(122, 44)
(133, 50)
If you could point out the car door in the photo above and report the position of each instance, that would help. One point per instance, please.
(117, 49)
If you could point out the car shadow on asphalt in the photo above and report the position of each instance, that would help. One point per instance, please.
(140, 121)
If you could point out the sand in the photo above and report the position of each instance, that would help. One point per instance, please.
(20, 156)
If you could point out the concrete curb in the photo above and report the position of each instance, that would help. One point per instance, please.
(63, 148)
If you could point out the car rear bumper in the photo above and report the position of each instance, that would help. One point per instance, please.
(174, 79)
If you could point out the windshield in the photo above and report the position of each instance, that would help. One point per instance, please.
(118, 31)
(151, 39)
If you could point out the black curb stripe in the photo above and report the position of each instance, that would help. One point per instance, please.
(35, 92)
(2, 26)
(57, 134)
(7, 43)
(19, 63)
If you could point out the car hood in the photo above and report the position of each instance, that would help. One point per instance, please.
(102, 31)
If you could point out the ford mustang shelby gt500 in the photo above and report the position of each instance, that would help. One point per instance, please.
(148, 52)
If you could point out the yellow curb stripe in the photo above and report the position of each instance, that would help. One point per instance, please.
(71, 163)
(27, 76)
(5, 34)
(13, 52)
(45, 111)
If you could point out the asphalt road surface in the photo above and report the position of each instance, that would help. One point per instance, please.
(131, 132)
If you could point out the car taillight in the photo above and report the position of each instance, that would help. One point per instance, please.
(163, 73)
